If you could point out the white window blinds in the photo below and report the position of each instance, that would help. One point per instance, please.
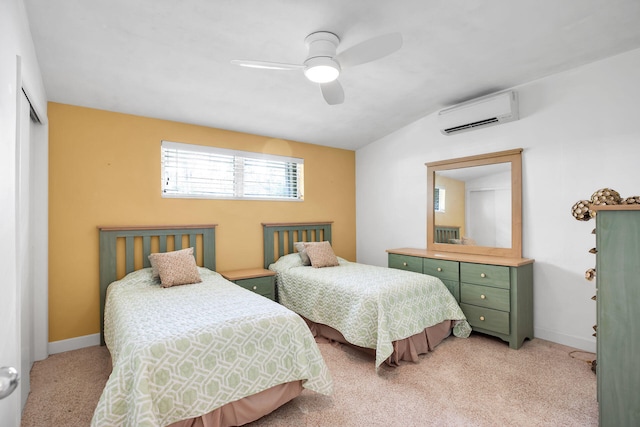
(439, 199)
(196, 171)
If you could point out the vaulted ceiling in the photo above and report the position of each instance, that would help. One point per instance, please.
(170, 59)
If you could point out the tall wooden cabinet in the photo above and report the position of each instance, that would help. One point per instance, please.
(618, 314)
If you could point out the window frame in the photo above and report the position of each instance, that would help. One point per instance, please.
(241, 166)
(439, 199)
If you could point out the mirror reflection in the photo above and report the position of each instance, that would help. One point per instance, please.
(472, 206)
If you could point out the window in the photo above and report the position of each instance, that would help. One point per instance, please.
(196, 171)
(438, 199)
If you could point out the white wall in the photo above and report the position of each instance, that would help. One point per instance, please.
(580, 131)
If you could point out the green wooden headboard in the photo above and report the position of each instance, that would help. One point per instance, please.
(279, 237)
(444, 233)
(137, 243)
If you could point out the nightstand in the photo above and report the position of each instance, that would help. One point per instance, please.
(258, 280)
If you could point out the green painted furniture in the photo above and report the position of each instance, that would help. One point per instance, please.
(445, 233)
(279, 237)
(618, 312)
(498, 300)
(447, 271)
(495, 293)
(406, 262)
(258, 280)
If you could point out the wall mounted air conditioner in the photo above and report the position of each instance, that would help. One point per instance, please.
(478, 113)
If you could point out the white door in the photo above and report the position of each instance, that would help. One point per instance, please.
(23, 251)
(16, 288)
(489, 217)
(481, 218)
(10, 407)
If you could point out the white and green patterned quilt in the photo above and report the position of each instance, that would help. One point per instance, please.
(184, 351)
(371, 306)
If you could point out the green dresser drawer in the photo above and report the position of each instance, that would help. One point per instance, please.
(454, 288)
(442, 269)
(260, 285)
(485, 296)
(487, 275)
(405, 262)
(486, 318)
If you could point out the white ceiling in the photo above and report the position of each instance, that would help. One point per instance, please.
(169, 59)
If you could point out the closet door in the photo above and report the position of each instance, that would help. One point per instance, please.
(486, 216)
(10, 406)
(23, 247)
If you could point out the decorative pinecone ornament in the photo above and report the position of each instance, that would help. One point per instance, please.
(582, 211)
(633, 200)
(590, 274)
(606, 196)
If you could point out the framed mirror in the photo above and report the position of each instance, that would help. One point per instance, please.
(474, 204)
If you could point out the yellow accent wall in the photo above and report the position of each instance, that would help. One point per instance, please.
(454, 205)
(104, 170)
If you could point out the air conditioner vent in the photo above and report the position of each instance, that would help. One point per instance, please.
(471, 125)
(478, 113)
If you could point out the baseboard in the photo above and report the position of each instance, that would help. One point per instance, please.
(74, 343)
(568, 340)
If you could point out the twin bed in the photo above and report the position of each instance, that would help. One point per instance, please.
(214, 348)
(395, 314)
(209, 347)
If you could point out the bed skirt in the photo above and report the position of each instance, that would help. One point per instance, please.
(407, 349)
(246, 410)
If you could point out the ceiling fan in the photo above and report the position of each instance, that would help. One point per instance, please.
(323, 65)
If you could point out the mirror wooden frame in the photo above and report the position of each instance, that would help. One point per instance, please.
(511, 156)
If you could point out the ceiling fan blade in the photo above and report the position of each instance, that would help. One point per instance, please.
(332, 92)
(266, 65)
(370, 50)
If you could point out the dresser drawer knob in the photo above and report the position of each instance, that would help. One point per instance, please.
(482, 318)
(255, 287)
(483, 275)
(405, 264)
(439, 268)
(482, 297)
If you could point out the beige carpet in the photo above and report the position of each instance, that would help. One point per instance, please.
(477, 381)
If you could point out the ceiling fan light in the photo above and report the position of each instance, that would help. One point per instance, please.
(321, 69)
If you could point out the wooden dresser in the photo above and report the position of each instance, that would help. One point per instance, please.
(618, 314)
(495, 293)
